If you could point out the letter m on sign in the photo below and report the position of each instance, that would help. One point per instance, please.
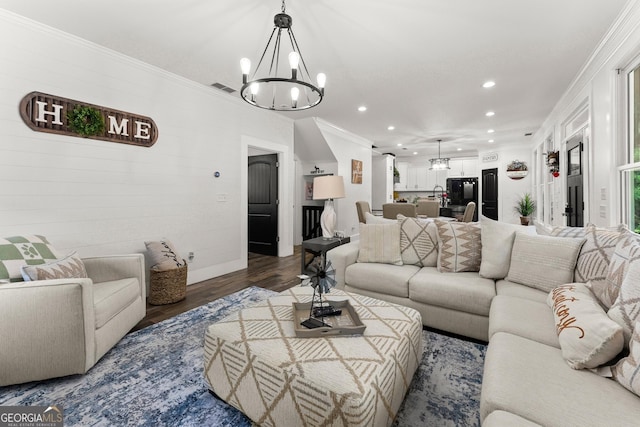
(118, 129)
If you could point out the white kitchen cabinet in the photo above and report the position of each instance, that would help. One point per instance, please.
(417, 178)
(460, 168)
(381, 181)
(471, 167)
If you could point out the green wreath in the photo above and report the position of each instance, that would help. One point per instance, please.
(85, 121)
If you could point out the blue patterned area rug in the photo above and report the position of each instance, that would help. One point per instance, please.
(154, 377)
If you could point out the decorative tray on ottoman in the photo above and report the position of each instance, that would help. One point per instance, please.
(346, 323)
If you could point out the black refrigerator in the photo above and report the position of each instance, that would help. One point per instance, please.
(462, 191)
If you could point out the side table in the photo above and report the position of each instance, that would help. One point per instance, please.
(318, 247)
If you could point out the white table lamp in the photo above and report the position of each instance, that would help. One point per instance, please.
(327, 188)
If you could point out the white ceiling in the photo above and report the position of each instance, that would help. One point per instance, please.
(418, 65)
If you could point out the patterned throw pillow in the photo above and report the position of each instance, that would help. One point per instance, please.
(562, 231)
(418, 242)
(627, 369)
(626, 309)
(595, 255)
(69, 267)
(588, 338)
(459, 246)
(18, 251)
(627, 252)
(163, 256)
(380, 243)
(543, 262)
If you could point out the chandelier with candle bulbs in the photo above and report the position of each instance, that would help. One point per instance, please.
(275, 89)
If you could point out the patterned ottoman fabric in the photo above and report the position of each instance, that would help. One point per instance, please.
(255, 362)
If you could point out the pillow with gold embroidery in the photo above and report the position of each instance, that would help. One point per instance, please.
(588, 338)
(69, 267)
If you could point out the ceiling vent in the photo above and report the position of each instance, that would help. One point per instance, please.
(224, 88)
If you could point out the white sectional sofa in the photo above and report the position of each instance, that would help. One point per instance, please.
(527, 377)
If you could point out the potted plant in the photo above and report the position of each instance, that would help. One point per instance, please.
(396, 175)
(525, 206)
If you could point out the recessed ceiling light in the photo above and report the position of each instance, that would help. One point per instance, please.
(399, 144)
(415, 152)
(489, 84)
(391, 128)
(459, 149)
(362, 108)
(490, 113)
(491, 141)
(490, 131)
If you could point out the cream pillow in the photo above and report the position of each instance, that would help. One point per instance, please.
(372, 219)
(588, 338)
(459, 246)
(69, 267)
(543, 262)
(626, 370)
(380, 243)
(497, 242)
(163, 256)
(626, 309)
(418, 242)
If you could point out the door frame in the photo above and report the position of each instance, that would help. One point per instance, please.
(285, 192)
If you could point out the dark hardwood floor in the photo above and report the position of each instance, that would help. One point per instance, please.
(269, 272)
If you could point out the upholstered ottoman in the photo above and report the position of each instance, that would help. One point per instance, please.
(255, 362)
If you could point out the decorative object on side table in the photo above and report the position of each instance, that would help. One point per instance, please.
(525, 206)
(327, 188)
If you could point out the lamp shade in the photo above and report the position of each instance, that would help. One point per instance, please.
(328, 187)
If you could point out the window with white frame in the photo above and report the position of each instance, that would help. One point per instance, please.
(630, 171)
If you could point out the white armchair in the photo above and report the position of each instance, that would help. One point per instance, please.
(53, 328)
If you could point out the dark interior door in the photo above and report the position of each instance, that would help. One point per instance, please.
(263, 204)
(574, 210)
(490, 193)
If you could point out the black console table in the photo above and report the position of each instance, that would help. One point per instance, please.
(318, 247)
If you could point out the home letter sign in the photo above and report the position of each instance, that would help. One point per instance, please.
(52, 114)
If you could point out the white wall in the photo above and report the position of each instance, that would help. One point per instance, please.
(509, 190)
(345, 147)
(381, 181)
(99, 197)
(598, 85)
